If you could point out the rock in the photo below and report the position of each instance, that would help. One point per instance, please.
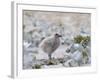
(26, 44)
(75, 47)
(70, 63)
(28, 60)
(77, 55)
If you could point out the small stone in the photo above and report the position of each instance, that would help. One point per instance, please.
(70, 63)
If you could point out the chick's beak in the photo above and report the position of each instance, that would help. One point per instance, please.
(60, 35)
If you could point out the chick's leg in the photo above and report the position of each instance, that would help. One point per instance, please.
(49, 56)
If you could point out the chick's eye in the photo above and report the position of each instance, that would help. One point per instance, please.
(56, 34)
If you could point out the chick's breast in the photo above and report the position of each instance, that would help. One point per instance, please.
(49, 45)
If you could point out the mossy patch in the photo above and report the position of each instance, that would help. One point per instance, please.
(84, 54)
(37, 66)
(82, 39)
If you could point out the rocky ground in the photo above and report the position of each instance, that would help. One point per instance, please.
(60, 58)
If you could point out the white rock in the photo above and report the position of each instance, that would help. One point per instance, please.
(77, 55)
(28, 60)
(70, 63)
(26, 44)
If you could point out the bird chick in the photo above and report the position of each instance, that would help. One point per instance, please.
(50, 44)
